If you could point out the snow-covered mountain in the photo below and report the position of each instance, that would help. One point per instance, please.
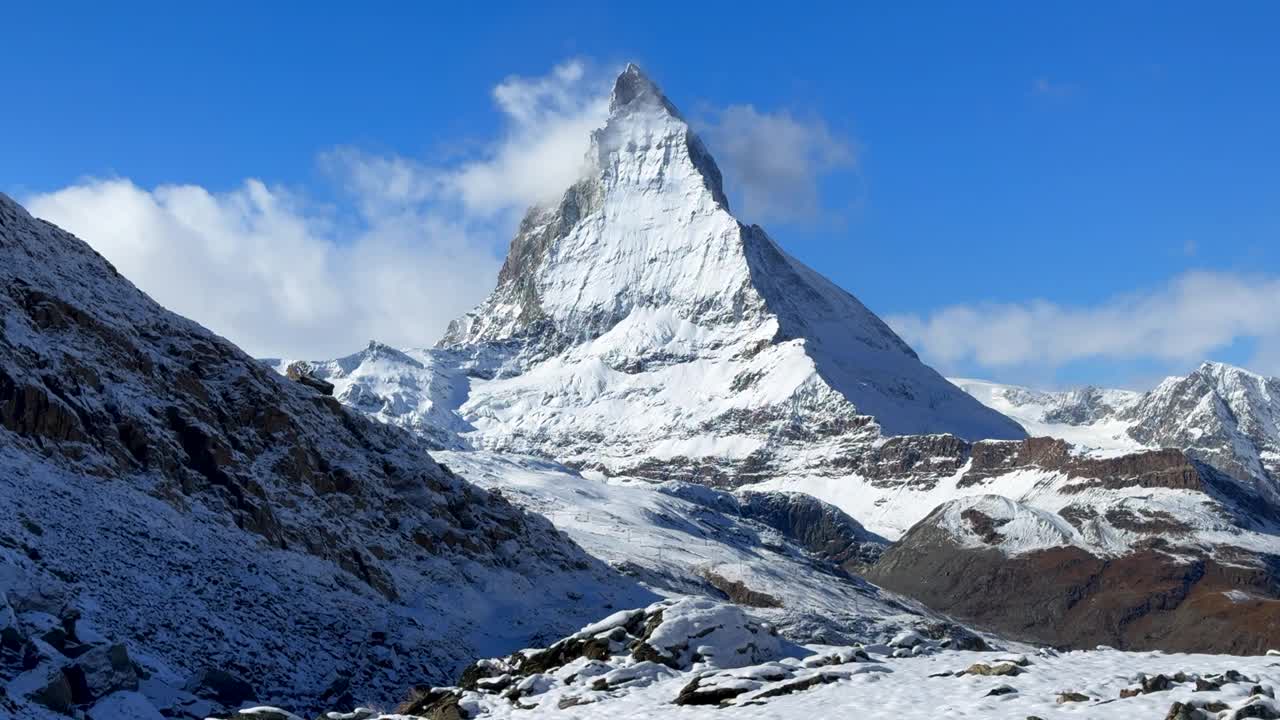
(639, 328)
(1221, 414)
(182, 522)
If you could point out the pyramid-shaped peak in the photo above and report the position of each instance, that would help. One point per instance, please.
(633, 89)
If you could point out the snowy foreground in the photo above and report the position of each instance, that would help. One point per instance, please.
(698, 658)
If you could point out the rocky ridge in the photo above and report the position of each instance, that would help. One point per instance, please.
(166, 493)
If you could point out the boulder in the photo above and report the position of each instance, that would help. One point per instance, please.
(1186, 711)
(55, 693)
(11, 636)
(906, 639)
(433, 704)
(694, 694)
(221, 687)
(101, 671)
(999, 669)
(1148, 684)
(300, 372)
(1259, 708)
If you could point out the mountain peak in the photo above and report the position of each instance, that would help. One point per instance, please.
(1220, 369)
(634, 89)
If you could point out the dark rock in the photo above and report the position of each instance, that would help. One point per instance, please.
(300, 372)
(821, 528)
(1149, 684)
(1002, 690)
(1071, 697)
(1206, 685)
(1185, 711)
(221, 687)
(56, 693)
(799, 685)
(100, 672)
(738, 593)
(694, 694)
(1256, 709)
(1000, 669)
(1066, 597)
(433, 704)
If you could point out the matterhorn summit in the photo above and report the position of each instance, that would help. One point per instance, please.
(639, 328)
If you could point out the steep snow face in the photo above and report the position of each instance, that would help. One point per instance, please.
(649, 228)
(1227, 416)
(1224, 415)
(638, 327)
(186, 501)
(418, 390)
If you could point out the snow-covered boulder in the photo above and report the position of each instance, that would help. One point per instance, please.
(698, 630)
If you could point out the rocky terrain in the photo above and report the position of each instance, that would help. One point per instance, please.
(696, 658)
(175, 509)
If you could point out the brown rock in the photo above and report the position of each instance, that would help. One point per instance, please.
(1000, 669)
(300, 372)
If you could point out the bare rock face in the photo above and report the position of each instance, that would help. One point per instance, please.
(1150, 597)
(135, 444)
(820, 527)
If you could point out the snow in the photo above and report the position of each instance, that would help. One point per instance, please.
(1223, 415)
(638, 326)
(638, 331)
(225, 537)
(1103, 435)
(719, 635)
(670, 536)
(788, 682)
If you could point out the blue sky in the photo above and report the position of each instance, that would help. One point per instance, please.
(1038, 168)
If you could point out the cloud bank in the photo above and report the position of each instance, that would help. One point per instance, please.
(1186, 321)
(418, 246)
(775, 160)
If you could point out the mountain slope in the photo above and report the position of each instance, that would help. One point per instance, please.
(638, 328)
(166, 491)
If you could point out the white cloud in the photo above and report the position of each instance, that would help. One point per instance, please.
(282, 277)
(410, 244)
(256, 265)
(775, 160)
(1193, 316)
(544, 150)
